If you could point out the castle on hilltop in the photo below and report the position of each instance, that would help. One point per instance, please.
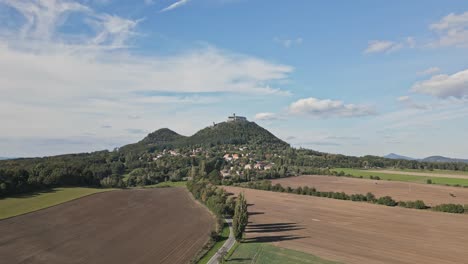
(235, 118)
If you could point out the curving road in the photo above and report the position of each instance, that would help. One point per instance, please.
(227, 245)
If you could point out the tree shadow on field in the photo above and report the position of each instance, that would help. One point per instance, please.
(30, 194)
(268, 239)
(273, 228)
(255, 213)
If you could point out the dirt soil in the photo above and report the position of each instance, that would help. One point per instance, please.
(163, 225)
(442, 175)
(399, 191)
(351, 232)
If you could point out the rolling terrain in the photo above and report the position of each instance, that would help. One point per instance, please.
(351, 232)
(131, 226)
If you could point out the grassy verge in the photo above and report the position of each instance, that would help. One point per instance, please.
(433, 171)
(167, 184)
(263, 253)
(223, 237)
(403, 178)
(25, 203)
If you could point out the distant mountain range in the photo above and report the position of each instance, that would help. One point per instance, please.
(4, 158)
(428, 159)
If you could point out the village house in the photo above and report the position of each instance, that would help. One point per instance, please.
(248, 167)
(225, 173)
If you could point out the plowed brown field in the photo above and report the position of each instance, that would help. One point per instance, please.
(400, 191)
(352, 232)
(131, 226)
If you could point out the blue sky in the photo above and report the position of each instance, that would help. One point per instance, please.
(351, 77)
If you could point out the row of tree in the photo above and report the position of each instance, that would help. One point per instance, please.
(369, 197)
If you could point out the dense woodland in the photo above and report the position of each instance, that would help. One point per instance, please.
(201, 155)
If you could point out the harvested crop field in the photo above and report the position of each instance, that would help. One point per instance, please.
(352, 232)
(163, 225)
(400, 191)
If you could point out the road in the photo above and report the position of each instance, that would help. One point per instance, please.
(227, 245)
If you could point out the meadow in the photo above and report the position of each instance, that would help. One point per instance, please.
(21, 204)
(262, 253)
(387, 175)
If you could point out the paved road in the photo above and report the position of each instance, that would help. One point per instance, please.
(227, 245)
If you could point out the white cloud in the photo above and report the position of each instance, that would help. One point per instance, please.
(452, 30)
(444, 86)
(378, 46)
(69, 81)
(266, 116)
(148, 2)
(175, 5)
(408, 102)
(287, 43)
(328, 108)
(429, 71)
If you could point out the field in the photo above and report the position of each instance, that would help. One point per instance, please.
(400, 191)
(408, 176)
(262, 253)
(26, 203)
(351, 232)
(163, 225)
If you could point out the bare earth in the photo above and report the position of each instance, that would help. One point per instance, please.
(399, 191)
(442, 175)
(352, 232)
(131, 226)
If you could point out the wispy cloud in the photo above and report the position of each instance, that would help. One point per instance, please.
(326, 108)
(379, 46)
(429, 71)
(266, 116)
(175, 5)
(287, 43)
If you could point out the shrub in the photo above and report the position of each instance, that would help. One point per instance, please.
(450, 208)
(418, 204)
(429, 181)
(386, 200)
(370, 197)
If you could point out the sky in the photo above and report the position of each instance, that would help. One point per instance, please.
(351, 77)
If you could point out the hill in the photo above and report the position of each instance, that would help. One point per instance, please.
(159, 139)
(235, 133)
(436, 159)
(396, 156)
(238, 132)
(443, 159)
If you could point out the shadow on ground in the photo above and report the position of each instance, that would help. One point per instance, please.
(30, 194)
(257, 232)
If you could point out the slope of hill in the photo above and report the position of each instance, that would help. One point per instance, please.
(396, 156)
(443, 159)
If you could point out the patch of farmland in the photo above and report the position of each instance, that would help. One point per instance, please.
(400, 191)
(352, 232)
(162, 225)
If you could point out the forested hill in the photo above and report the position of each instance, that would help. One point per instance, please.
(159, 139)
(233, 133)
